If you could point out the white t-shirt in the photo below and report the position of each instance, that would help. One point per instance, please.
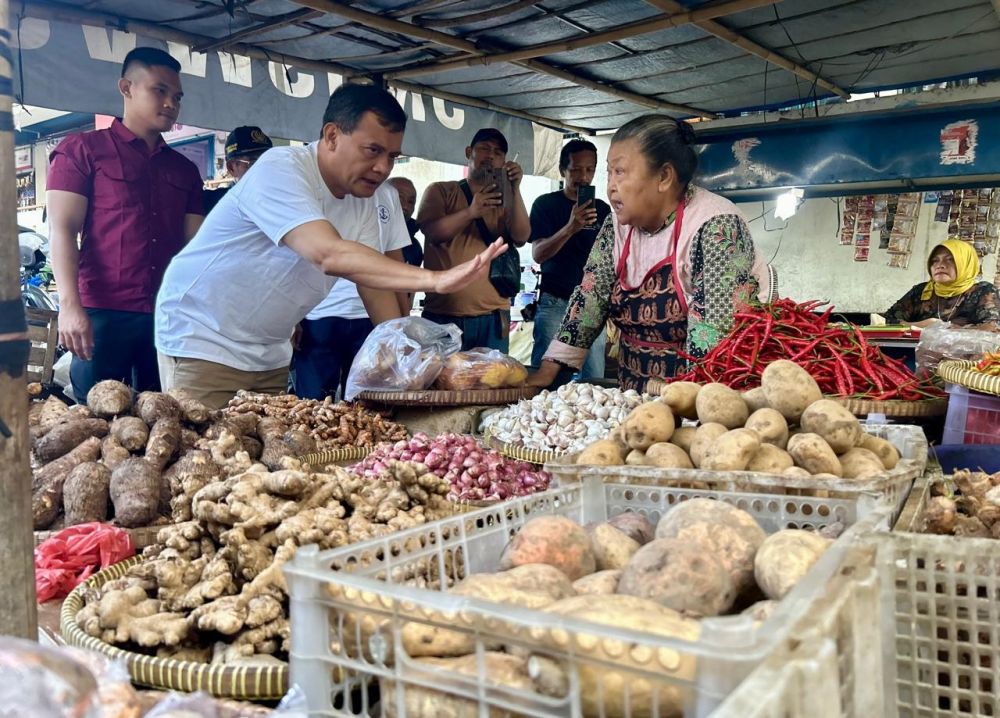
(344, 300)
(234, 294)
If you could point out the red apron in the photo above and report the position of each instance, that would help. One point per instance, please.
(652, 317)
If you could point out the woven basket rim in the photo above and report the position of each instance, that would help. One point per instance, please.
(436, 397)
(331, 456)
(221, 681)
(963, 373)
(521, 453)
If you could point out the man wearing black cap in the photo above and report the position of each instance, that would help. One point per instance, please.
(244, 146)
(458, 219)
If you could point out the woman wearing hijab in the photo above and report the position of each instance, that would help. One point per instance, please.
(669, 268)
(952, 295)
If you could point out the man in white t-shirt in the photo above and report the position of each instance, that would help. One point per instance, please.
(274, 246)
(332, 333)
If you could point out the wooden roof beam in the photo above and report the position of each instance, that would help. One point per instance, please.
(633, 29)
(734, 38)
(275, 23)
(458, 43)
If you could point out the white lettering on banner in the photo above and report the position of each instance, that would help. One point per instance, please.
(236, 69)
(109, 48)
(417, 112)
(334, 81)
(453, 121)
(32, 33)
(192, 63)
(301, 86)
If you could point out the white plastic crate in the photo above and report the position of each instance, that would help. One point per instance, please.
(888, 489)
(340, 661)
(828, 667)
(941, 634)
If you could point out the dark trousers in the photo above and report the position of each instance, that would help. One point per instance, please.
(487, 330)
(123, 349)
(326, 350)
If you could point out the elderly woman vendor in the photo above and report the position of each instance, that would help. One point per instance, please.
(669, 269)
(952, 295)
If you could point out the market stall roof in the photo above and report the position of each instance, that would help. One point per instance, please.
(592, 64)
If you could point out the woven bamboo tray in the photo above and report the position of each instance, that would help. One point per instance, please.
(895, 408)
(222, 681)
(141, 537)
(521, 453)
(431, 397)
(343, 455)
(655, 386)
(964, 374)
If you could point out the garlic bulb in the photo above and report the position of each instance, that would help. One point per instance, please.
(564, 420)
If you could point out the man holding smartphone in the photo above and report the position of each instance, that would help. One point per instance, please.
(564, 226)
(458, 219)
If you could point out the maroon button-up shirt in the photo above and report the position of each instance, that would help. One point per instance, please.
(137, 200)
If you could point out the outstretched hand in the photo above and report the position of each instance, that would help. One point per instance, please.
(462, 275)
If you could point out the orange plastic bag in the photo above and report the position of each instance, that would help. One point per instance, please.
(71, 556)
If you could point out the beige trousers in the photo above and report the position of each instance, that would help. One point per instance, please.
(215, 384)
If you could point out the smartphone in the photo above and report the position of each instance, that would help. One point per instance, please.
(584, 194)
(498, 177)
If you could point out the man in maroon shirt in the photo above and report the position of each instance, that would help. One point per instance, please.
(134, 203)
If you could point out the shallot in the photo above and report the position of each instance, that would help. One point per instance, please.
(475, 473)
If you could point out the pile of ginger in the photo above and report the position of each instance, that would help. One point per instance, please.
(968, 506)
(212, 588)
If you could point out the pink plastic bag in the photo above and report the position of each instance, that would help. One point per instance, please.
(71, 556)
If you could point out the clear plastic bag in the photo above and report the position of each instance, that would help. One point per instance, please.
(45, 682)
(481, 368)
(404, 354)
(185, 705)
(943, 340)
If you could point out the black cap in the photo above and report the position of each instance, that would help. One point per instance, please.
(490, 133)
(246, 140)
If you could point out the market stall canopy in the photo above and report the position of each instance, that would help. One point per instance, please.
(577, 66)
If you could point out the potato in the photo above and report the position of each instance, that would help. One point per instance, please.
(109, 398)
(796, 472)
(668, 456)
(151, 406)
(769, 459)
(698, 510)
(529, 585)
(814, 455)
(63, 438)
(680, 575)
(648, 424)
(755, 399)
(789, 388)
(610, 693)
(603, 452)
(860, 463)
(770, 425)
(555, 540)
(732, 545)
(886, 452)
(684, 437)
(681, 396)
(135, 492)
(612, 547)
(704, 437)
(601, 583)
(131, 432)
(732, 451)
(52, 409)
(784, 558)
(85, 493)
(500, 669)
(760, 611)
(718, 404)
(634, 525)
(636, 457)
(838, 427)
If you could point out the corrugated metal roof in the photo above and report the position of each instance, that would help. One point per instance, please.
(710, 65)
